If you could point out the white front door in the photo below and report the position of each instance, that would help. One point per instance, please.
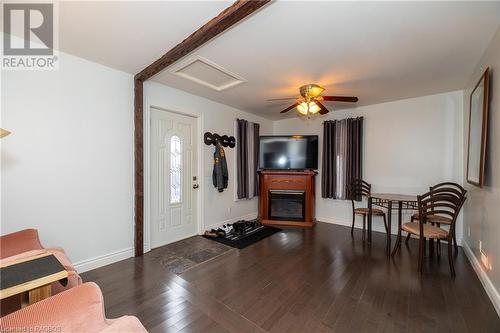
(173, 177)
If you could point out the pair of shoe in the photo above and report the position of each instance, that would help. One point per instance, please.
(227, 228)
(215, 233)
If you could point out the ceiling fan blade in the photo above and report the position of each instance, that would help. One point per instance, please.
(322, 107)
(349, 99)
(289, 108)
(281, 99)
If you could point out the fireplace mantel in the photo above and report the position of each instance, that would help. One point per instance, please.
(287, 180)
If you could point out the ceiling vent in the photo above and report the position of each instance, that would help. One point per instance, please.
(207, 73)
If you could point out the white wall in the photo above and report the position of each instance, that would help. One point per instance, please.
(219, 118)
(67, 167)
(482, 208)
(408, 145)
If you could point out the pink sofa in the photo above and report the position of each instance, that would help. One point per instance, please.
(23, 244)
(80, 309)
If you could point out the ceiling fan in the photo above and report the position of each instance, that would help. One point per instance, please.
(309, 101)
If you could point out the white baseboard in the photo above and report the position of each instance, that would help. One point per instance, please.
(216, 225)
(483, 277)
(376, 226)
(103, 260)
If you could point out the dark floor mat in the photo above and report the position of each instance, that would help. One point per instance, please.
(248, 239)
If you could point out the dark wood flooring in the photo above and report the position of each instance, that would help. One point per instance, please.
(318, 280)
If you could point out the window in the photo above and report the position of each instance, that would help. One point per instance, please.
(175, 170)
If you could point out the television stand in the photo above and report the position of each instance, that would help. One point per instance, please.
(287, 197)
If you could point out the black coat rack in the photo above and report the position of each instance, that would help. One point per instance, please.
(225, 141)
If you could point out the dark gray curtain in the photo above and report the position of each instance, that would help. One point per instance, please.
(241, 157)
(256, 144)
(247, 158)
(342, 156)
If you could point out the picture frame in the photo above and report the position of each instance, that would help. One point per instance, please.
(478, 130)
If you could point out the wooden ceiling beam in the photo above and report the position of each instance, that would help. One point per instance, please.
(225, 20)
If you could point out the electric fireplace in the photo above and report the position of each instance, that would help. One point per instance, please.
(287, 197)
(287, 205)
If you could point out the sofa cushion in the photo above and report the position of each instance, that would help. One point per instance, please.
(78, 309)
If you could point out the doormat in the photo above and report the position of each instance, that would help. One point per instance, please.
(241, 242)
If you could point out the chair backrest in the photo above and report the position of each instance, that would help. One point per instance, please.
(440, 201)
(358, 189)
(452, 188)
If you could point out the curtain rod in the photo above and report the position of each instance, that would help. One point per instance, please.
(331, 121)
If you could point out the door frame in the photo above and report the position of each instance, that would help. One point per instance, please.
(198, 170)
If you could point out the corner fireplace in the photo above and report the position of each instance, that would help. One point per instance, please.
(287, 205)
(287, 197)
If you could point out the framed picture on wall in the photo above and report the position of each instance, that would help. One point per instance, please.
(478, 130)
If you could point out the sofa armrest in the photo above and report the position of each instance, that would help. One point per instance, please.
(62, 257)
(74, 280)
(18, 242)
(55, 248)
(79, 309)
(22, 255)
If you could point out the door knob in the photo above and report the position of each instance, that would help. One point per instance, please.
(195, 186)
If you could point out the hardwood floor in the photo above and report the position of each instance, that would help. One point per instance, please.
(318, 280)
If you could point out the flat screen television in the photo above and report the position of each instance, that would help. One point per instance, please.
(288, 152)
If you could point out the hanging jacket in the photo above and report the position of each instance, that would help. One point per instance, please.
(220, 175)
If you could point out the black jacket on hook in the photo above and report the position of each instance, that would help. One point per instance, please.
(220, 175)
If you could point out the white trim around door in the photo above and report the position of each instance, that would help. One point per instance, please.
(199, 221)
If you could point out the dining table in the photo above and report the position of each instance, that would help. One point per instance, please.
(390, 201)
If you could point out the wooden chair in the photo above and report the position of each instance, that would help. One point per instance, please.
(437, 202)
(357, 190)
(452, 189)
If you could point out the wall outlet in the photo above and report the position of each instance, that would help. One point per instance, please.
(468, 231)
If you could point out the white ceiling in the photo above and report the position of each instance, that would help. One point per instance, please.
(130, 35)
(378, 51)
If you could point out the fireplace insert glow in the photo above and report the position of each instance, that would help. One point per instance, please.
(287, 205)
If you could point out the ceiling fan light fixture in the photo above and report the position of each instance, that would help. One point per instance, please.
(311, 90)
(307, 108)
(315, 90)
(313, 108)
(310, 100)
(303, 108)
